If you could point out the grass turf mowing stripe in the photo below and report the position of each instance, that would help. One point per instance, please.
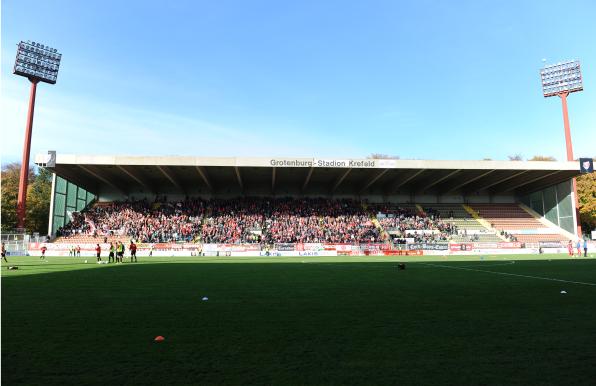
(340, 321)
(508, 274)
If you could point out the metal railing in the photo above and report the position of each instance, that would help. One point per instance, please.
(18, 243)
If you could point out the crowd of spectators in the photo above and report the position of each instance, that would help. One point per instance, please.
(77, 225)
(234, 221)
(408, 223)
(286, 220)
(318, 220)
(140, 220)
(257, 220)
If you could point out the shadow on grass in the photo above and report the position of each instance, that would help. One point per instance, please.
(301, 323)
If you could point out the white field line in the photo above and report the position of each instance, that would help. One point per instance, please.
(488, 264)
(509, 274)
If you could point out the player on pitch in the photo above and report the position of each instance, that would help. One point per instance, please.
(119, 252)
(98, 251)
(111, 256)
(4, 253)
(133, 251)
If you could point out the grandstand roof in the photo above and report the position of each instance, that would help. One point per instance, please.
(277, 175)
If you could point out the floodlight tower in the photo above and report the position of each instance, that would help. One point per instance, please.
(560, 80)
(38, 63)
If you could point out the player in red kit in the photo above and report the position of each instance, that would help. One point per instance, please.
(43, 252)
(98, 251)
(133, 251)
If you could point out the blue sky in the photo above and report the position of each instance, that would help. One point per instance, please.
(418, 79)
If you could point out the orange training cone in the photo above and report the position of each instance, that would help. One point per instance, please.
(159, 338)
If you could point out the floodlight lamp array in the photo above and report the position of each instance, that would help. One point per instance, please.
(561, 78)
(37, 61)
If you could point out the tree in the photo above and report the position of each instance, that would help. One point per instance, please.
(586, 195)
(10, 191)
(38, 202)
(382, 156)
(38, 198)
(542, 158)
(515, 157)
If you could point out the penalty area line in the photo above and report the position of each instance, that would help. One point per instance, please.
(510, 274)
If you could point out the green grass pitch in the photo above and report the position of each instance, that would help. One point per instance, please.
(499, 320)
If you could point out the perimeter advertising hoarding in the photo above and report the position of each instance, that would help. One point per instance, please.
(461, 247)
(315, 249)
(88, 249)
(511, 245)
(500, 245)
(171, 246)
(550, 244)
(238, 247)
(309, 247)
(291, 247)
(429, 247)
(214, 248)
(64, 247)
(284, 247)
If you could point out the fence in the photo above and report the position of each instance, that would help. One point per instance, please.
(18, 243)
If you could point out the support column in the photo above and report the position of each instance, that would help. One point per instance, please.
(52, 203)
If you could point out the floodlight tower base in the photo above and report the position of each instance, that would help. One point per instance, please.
(24, 176)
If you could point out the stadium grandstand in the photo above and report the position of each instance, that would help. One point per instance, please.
(281, 202)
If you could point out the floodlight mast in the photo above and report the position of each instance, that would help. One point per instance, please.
(560, 80)
(38, 63)
(568, 144)
(24, 176)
